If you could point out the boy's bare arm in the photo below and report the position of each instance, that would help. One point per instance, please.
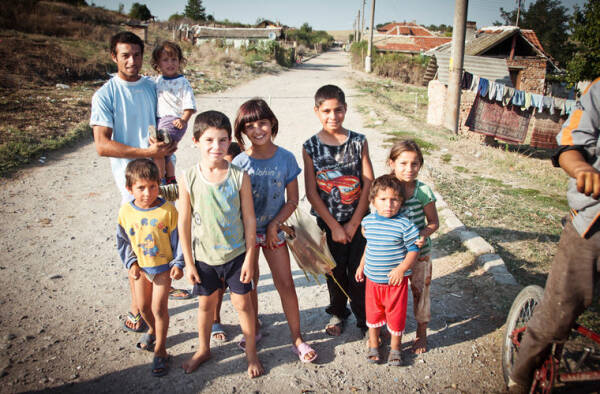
(586, 176)
(249, 221)
(367, 177)
(397, 274)
(310, 186)
(105, 146)
(184, 225)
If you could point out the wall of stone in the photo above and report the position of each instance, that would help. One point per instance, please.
(532, 75)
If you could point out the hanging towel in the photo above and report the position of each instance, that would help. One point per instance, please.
(519, 98)
(508, 95)
(569, 106)
(527, 103)
(500, 91)
(483, 86)
(558, 104)
(475, 83)
(536, 101)
(492, 90)
(547, 103)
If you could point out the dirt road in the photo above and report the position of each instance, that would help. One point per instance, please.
(65, 290)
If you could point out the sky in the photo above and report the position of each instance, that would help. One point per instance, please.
(333, 14)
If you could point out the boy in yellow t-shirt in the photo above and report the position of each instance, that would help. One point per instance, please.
(148, 243)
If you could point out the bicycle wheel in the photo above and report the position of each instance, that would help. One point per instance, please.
(518, 316)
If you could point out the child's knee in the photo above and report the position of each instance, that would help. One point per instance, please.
(242, 302)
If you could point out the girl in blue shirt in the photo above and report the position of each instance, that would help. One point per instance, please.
(273, 172)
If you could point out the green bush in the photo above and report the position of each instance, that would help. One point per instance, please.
(399, 66)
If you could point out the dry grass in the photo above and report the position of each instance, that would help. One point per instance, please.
(36, 116)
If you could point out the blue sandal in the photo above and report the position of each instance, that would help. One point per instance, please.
(146, 342)
(216, 329)
(160, 366)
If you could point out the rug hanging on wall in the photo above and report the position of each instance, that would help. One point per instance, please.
(489, 117)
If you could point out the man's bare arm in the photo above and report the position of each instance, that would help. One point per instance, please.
(105, 146)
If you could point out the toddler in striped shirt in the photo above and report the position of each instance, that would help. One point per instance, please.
(391, 251)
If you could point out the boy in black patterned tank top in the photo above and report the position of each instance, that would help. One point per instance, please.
(338, 175)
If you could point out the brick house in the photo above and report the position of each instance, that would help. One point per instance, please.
(526, 61)
(505, 54)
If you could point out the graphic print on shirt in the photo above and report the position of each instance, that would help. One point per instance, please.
(338, 170)
(344, 189)
(147, 245)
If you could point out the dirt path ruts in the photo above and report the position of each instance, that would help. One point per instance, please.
(65, 289)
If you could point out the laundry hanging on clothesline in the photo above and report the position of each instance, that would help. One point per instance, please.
(508, 95)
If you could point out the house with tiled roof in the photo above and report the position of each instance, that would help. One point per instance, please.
(406, 37)
(526, 61)
(507, 55)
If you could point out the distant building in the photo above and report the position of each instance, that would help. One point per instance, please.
(267, 24)
(522, 59)
(138, 28)
(236, 37)
(406, 37)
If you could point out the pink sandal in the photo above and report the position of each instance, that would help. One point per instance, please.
(302, 350)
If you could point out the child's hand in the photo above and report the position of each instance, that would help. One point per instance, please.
(588, 183)
(360, 273)
(247, 271)
(192, 275)
(338, 234)
(179, 123)
(396, 277)
(420, 242)
(176, 272)
(134, 271)
(272, 235)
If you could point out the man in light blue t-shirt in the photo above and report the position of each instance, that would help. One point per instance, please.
(122, 110)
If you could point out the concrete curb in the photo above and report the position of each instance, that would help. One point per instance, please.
(485, 255)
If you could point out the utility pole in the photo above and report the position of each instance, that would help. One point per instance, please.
(368, 57)
(363, 19)
(358, 26)
(354, 30)
(456, 65)
(518, 12)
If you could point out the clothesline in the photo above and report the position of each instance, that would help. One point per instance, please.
(509, 95)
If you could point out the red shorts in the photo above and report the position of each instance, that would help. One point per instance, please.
(386, 304)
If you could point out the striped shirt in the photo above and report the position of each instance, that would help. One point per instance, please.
(413, 208)
(388, 242)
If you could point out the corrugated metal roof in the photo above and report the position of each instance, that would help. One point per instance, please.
(492, 69)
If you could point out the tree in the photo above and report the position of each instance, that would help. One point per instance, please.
(585, 63)
(121, 8)
(550, 21)
(140, 12)
(306, 28)
(194, 10)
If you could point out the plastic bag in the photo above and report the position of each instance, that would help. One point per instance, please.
(308, 244)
